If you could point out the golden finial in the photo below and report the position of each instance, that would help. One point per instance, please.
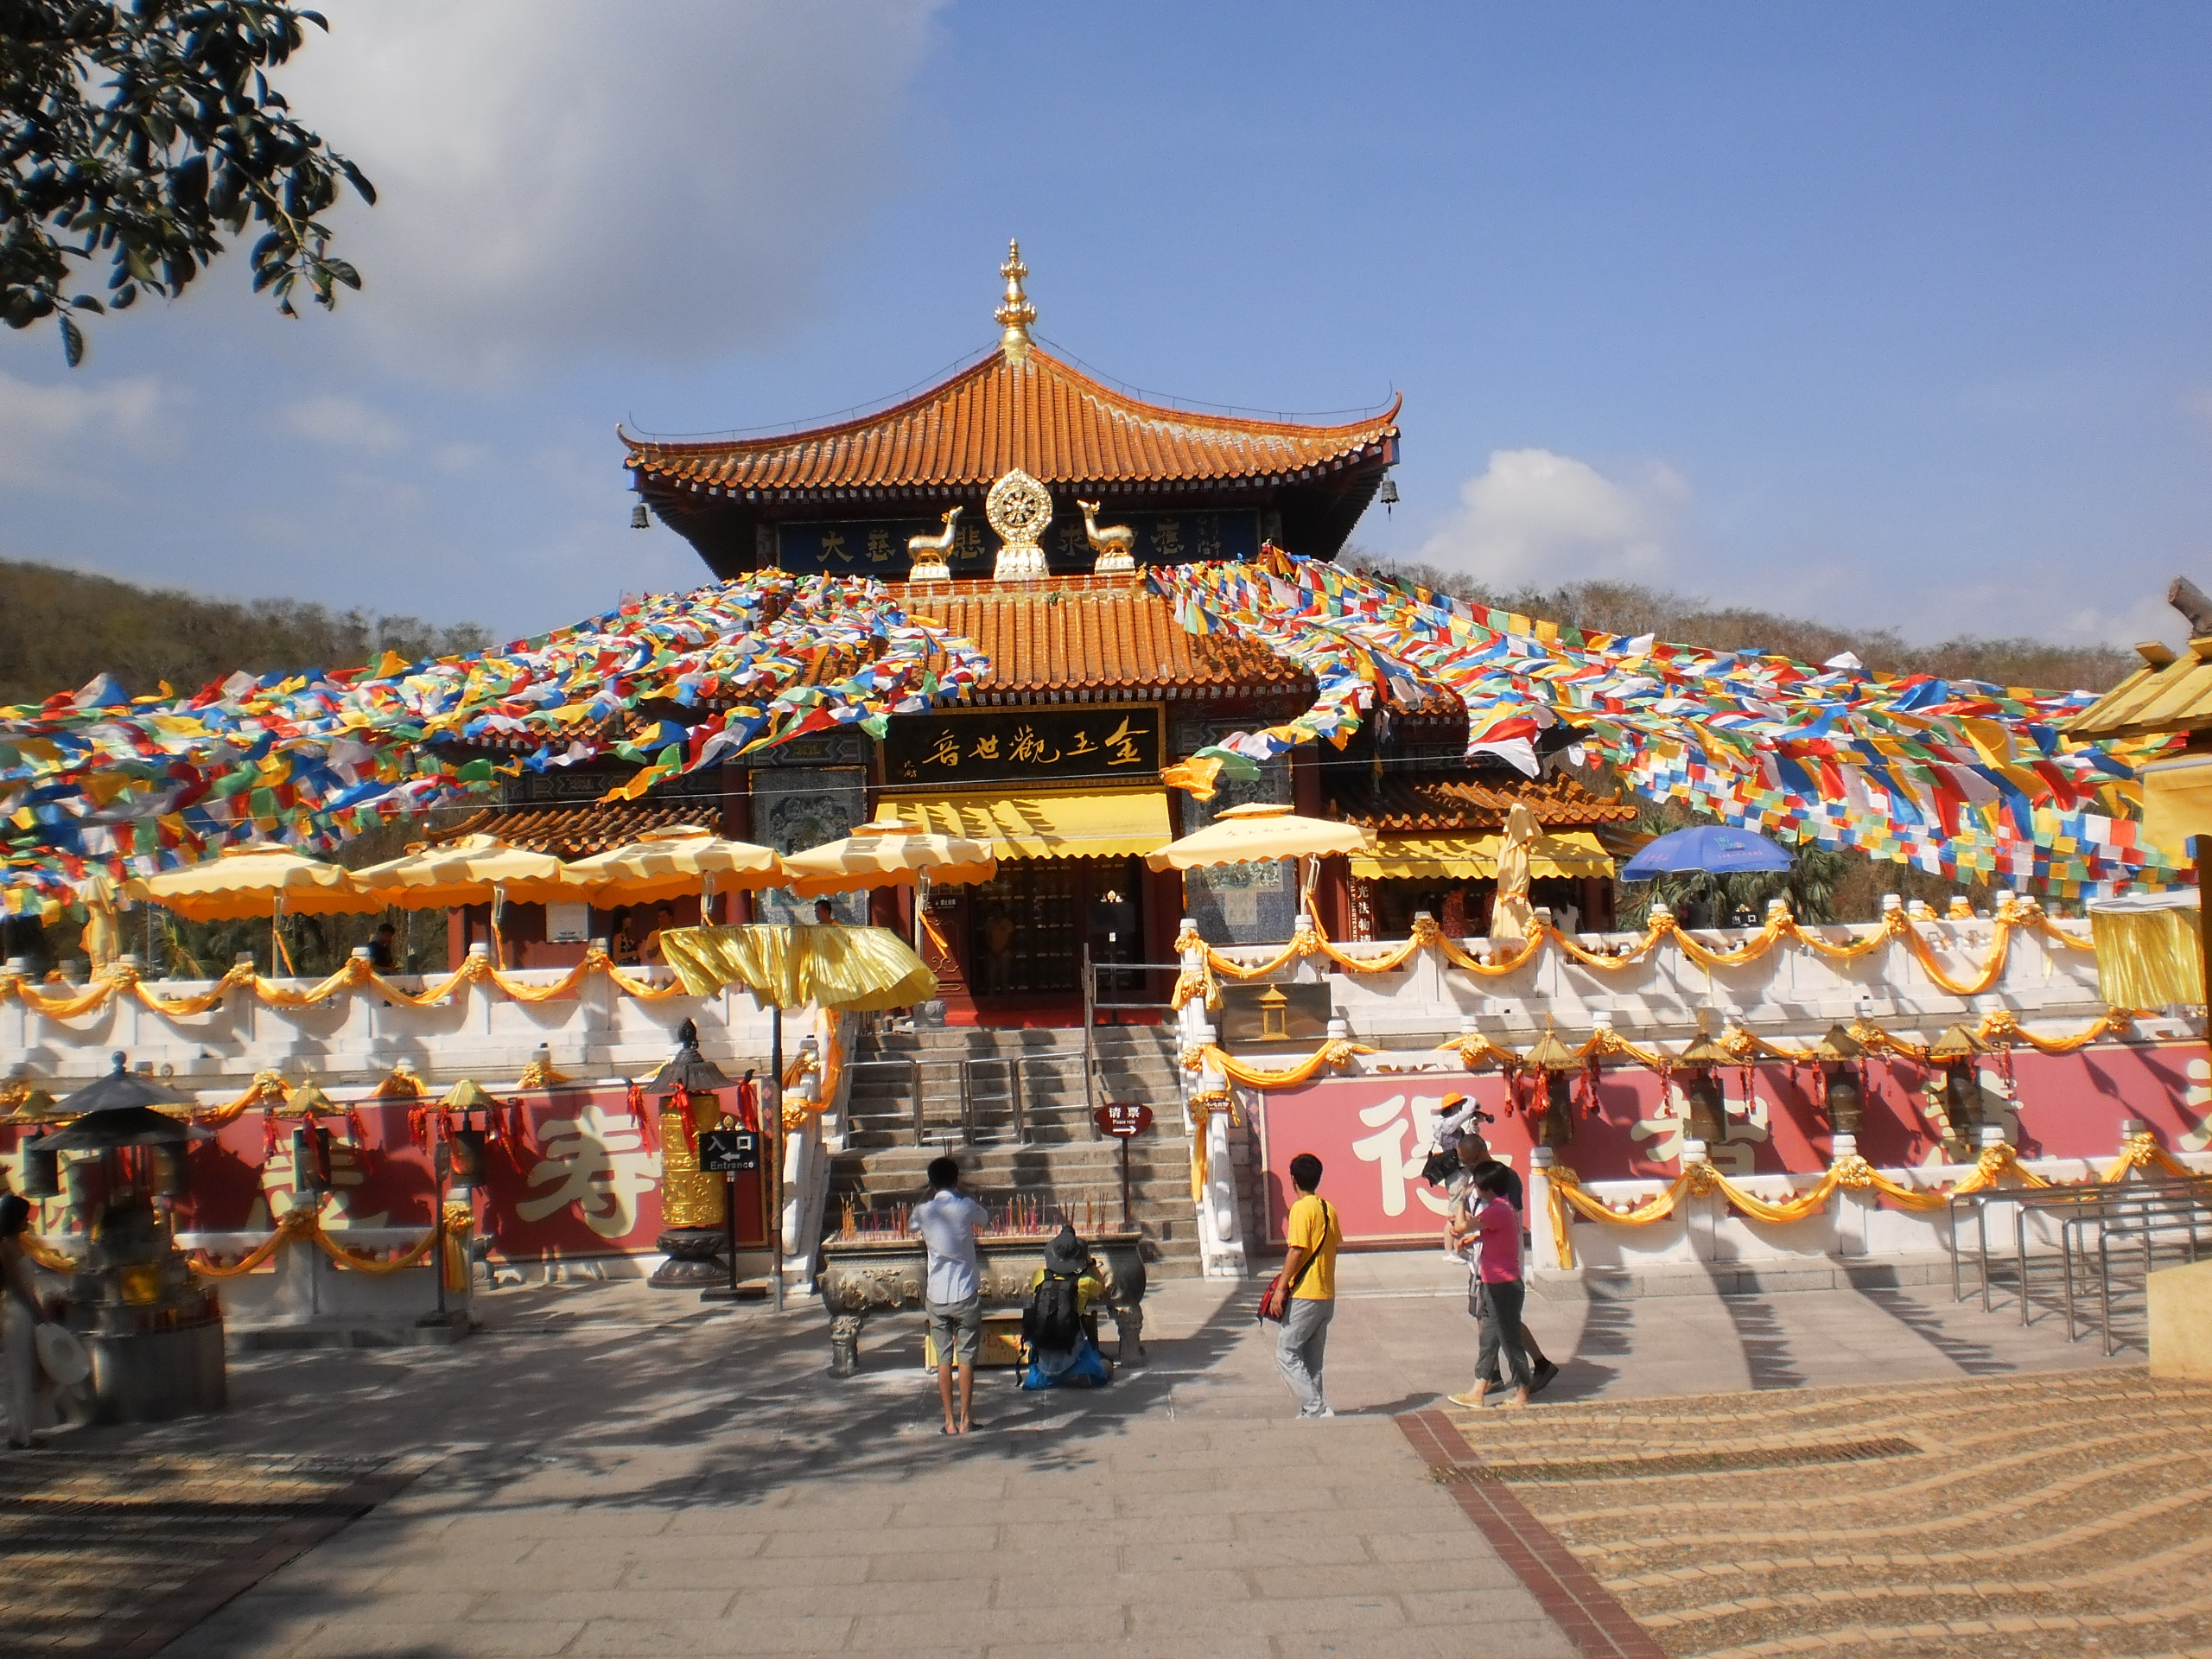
(1014, 313)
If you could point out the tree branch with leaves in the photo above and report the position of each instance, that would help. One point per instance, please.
(144, 137)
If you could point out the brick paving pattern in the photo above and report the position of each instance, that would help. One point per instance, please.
(612, 1471)
(112, 1554)
(2051, 1513)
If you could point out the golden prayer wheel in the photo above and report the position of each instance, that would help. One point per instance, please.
(688, 1197)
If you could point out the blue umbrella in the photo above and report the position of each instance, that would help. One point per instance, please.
(1707, 847)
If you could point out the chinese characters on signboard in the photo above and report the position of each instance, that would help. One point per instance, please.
(1024, 745)
(877, 548)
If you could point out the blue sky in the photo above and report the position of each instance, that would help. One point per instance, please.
(1890, 316)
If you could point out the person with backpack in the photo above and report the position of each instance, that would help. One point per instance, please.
(947, 1220)
(1055, 1342)
(1304, 1296)
(1493, 1226)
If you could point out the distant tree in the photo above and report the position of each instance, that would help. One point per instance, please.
(61, 628)
(1625, 608)
(144, 136)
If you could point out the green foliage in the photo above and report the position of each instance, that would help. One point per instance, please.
(1623, 607)
(144, 136)
(1814, 884)
(59, 629)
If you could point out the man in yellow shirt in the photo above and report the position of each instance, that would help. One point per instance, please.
(1308, 1287)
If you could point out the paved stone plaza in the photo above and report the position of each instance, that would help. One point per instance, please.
(607, 1469)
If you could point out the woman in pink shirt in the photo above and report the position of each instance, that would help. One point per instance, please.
(1496, 1294)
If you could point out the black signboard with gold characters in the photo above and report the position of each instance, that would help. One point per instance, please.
(1024, 745)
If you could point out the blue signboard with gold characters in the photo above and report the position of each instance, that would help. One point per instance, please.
(878, 547)
(1027, 746)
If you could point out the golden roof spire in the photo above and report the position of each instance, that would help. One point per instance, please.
(1016, 313)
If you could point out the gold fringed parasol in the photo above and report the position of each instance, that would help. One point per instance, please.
(684, 858)
(1261, 834)
(890, 852)
(859, 968)
(256, 880)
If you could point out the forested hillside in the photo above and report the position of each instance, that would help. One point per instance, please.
(59, 628)
(1625, 607)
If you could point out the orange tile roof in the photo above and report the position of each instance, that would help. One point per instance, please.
(1475, 802)
(1036, 413)
(574, 829)
(1085, 633)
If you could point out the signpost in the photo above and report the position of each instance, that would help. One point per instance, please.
(729, 1153)
(1124, 1120)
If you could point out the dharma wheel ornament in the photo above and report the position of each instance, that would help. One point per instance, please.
(1019, 509)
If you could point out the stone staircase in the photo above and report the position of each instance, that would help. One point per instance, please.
(1034, 1142)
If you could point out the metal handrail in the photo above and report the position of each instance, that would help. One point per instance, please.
(2119, 1207)
(914, 1078)
(2037, 1199)
(1090, 1007)
(2148, 1231)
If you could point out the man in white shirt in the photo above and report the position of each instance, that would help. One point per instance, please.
(947, 1221)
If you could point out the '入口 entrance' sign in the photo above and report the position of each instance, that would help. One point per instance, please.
(1023, 746)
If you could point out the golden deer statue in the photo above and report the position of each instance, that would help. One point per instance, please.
(1111, 544)
(929, 553)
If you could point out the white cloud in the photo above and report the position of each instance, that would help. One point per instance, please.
(344, 423)
(1533, 515)
(70, 432)
(668, 177)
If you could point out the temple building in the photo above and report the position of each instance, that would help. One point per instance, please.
(1019, 504)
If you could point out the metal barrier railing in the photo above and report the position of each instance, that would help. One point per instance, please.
(1092, 1004)
(914, 1083)
(2149, 1233)
(2144, 1216)
(2094, 1204)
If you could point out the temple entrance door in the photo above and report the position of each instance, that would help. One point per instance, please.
(1026, 929)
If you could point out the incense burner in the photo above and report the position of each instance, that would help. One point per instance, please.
(860, 1276)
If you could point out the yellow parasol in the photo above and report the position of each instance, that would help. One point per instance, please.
(859, 968)
(889, 853)
(256, 880)
(1511, 915)
(683, 858)
(1261, 834)
(468, 872)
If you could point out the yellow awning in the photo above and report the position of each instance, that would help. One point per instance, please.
(1569, 855)
(1111, 823)
(2177, 803)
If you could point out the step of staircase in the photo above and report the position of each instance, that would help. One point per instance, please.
(1050, 1152)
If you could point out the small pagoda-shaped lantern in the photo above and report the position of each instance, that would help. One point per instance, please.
(1552, 1060)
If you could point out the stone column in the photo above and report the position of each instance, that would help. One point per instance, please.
(1543, 1247)
(1853, 1205)
(1700, 1217)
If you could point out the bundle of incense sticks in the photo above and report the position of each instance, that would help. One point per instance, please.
(1017, 1217)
